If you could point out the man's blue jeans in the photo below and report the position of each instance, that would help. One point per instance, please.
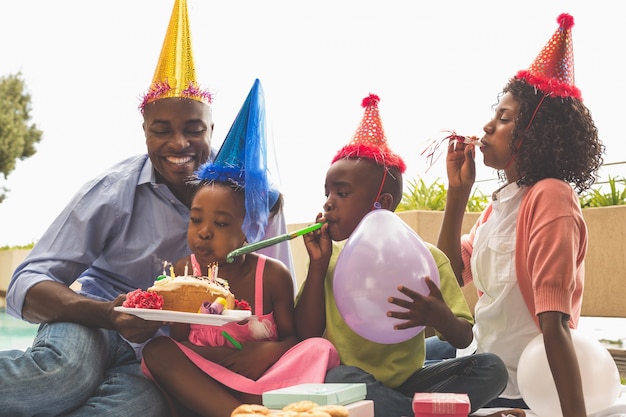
(73, 370)
(482, 376)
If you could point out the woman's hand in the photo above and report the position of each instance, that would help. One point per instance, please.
(460, 164)
(563, 362)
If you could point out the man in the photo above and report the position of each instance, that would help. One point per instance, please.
(113, 237)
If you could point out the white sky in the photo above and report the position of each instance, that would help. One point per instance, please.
(435, 64)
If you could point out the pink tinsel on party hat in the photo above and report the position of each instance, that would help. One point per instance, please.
(552, 71)
(369, 140)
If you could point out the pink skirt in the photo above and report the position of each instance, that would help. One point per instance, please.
(306, 362)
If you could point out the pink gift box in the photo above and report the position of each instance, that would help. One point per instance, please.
(437, 404)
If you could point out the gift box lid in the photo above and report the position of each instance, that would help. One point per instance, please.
(322, 394)
(440, 403)
(362, 408)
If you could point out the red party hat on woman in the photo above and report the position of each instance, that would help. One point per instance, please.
(369, 140)
(552, 71)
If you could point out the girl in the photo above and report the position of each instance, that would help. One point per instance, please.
(200, 369)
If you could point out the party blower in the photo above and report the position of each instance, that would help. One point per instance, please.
(271, 241)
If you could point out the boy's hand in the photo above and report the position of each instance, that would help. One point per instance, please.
(318, 243)
(421, 310)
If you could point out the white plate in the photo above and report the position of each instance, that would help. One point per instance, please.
(182, 317)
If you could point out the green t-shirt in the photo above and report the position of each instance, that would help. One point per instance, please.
(390, 364)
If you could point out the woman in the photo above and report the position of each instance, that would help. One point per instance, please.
(525, 254)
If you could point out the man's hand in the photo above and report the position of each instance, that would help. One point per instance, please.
(132, 328)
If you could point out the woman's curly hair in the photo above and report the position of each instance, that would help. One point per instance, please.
(561, 142)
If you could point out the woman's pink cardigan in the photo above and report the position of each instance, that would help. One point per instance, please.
(550, 248)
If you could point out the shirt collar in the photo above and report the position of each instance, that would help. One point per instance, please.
(147, 175)
(506, 192)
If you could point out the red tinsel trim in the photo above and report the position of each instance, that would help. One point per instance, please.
(383, 157)
(565, 21)
(370, 100)
(550, 85)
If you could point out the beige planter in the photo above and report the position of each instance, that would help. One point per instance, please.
(605, 265)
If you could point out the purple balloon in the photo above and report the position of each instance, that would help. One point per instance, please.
(382, 253)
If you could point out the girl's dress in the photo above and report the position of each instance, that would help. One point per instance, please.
(306, 362)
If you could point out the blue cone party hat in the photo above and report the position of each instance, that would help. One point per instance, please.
(242, 159)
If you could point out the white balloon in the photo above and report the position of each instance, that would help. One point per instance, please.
(599, 374)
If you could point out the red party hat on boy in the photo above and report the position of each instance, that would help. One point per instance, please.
(552, 71)
(369, 140)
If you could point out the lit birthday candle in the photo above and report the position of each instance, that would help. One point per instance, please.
(172, 271)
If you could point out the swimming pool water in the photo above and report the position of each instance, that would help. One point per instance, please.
(14, 333)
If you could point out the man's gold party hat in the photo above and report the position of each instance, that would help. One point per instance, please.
(175, 74)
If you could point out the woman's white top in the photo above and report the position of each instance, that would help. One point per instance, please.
(504, 325)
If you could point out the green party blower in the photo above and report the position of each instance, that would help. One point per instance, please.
(271, 241)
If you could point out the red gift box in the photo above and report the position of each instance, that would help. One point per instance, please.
(437, 404)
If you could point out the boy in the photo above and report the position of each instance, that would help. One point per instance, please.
(364, 175)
